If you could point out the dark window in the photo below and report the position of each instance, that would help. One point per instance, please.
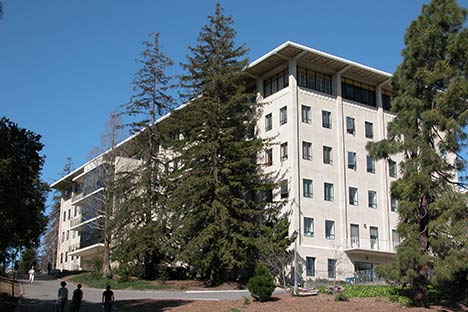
(372, 199)
(369, 130)
(284, 189)
(308, 227)
(370, 164)
(269, 157)
(393, 204)
(327, 155)
(326, 119)
(268, 122)
(307, 187)
(374, 237)
(328, 193)
(306, 114)
(314, 80)
(353, 196)
(306, 150)
(387, 100)
(358, 92)
(284, 151)
(275, 83)
(350, 127)
(329, 229)
(331, 268)
(310, 266)
(352, 162)
(283, 115)
(392, 168)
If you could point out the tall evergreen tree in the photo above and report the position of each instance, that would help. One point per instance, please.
(145, 202)
(431, 111)
(22, 193)
(217, 174)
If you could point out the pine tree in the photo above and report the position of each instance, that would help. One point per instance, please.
(145, 201)
(217, 176)
(431, 111)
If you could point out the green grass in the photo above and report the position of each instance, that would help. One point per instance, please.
(90, 280)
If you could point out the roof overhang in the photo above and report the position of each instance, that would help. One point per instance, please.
(90, 251)
(335, 64)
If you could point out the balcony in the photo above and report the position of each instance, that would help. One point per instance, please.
(369, 246)
(78, 198)
(90, 251)
(77, 224)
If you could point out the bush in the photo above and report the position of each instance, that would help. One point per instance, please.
(261, 285)
(341, 297)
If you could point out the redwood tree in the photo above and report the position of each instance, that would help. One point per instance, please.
(431, 112)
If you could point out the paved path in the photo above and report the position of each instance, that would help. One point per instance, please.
(41, 295)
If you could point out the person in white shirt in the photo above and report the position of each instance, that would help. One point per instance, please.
(31, 275)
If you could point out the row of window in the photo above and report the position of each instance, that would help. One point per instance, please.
(358, 92)
(327, 157)
(306, 117)
(67, 235)
(309, 228)
(75, 213)
(66, 257)
(314, 80)
(310, 267)
(275, 83)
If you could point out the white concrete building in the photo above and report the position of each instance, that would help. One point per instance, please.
(322, 110)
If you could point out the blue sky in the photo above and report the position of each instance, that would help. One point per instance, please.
(65, 65)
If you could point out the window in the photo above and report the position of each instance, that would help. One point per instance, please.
(284, 189)
(75, 212)
(369, 127)
(395, 239)
(269, 157)
(392, 168)
(68, 234)
(314, 80)
(64, 215)
(354, 236)
(326, 119)
(306, 114)
(66, 256)
(69, 214)
(393, 204)
(328, 191)
(310, 266)
(327, 155)
(352, 164)
(372, 199)
(329, 229)
(331, 268)
(350, 128)
(307, 187)
(306, 150)
(284, 151)
(386, 100)
(370, 164)
(283, 115)
(308, 227)
(275, 83)
(358, 91)
(265, 196)
(63, 237)
(268, 122)
(353, 196)
(374, 237)
(61, 257)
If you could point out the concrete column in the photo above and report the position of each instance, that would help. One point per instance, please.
(295, 162)
(382, 170)
(340, 161)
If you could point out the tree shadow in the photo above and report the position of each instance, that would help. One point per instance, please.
(140, 305)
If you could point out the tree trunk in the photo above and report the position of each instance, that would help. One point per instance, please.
(420, 282)
(106, 267)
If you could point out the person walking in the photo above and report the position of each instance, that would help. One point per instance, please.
(76, 299)
(31, 273)
(107, 299)
(62, 297)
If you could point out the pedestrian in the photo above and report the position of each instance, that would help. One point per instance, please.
(107, 299)
(31, 275)
(49, 268)
(62, 297)
(76, 299)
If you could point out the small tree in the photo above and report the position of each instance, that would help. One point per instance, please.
(261, 285)
(28, 260)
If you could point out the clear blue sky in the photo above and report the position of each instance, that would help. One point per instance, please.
(65, 65)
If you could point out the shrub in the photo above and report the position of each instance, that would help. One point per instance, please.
(261, 285)
(341, 297)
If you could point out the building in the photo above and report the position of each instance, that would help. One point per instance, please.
(322, 110)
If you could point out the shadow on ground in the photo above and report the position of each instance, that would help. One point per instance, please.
(141, 305)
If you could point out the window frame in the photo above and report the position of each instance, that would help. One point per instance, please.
(268, 122)
(284, 151)
(326, 119)
(350, 125)
(330, 230)
(306, 146)
(310, 188)
(369, 129)
(353, 200)
(283, 115)
(327, 150)
(306, 114)
(328, 192)
(352, 165)
(310, 222)
(372, 199)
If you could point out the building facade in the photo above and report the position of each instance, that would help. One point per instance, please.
(321, 111)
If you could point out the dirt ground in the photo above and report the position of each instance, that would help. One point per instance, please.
(7, 302)
(321, 303)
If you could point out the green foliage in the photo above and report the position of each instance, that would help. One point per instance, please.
(246, 301)
(22, 193)
(341, 297)
(431, 113)
(96, 266)
(91, 280)
(261, 285)
(28, 260)
(217, 214)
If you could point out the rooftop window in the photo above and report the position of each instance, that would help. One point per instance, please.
(275, 83)
(314, 80)
(358, 92)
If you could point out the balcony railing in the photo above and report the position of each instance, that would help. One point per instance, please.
(359, 243)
